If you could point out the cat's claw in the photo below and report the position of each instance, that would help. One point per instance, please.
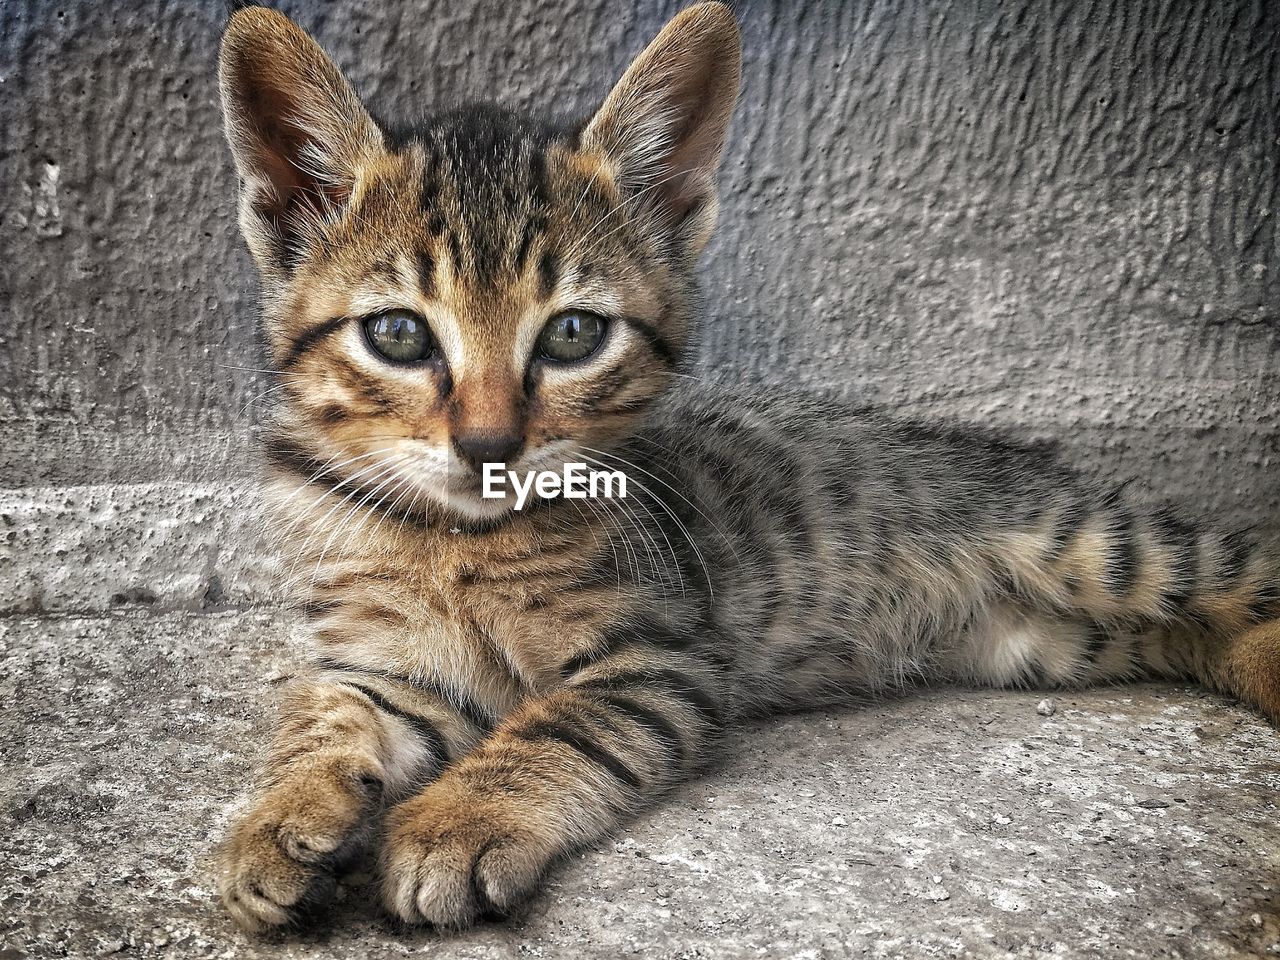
(449, 863)
(280, 861)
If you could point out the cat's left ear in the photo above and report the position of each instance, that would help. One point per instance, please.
(664, 123)
(297, 130)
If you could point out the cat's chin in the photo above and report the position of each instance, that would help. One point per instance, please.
(470, 505)
(463, 498)
(460, 497)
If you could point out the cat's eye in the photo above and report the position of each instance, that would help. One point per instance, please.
(571, 336)
(399, 336)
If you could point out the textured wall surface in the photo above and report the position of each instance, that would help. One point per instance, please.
(1055, 217)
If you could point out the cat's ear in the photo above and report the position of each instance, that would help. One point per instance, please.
(664, 123)
(297, 129)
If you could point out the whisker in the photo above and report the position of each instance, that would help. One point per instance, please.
(650, 543)
(390, 511)
(671, 513)
(617, 562)
(387, 475)
(318, 526)
(335, 487)
(258, 397)
(375, 510)
(694, 506)
(675, 561)
(632, 524)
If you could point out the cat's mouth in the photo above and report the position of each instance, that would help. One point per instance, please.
(445, 480)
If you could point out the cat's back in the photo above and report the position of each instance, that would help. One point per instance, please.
(835, 450)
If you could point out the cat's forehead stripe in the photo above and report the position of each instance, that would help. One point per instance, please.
(485, 192)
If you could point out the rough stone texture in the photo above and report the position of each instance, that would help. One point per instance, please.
(1134, 822)
(1051, 216)
(160, 545)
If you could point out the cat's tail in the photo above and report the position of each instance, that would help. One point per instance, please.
(1145, 592)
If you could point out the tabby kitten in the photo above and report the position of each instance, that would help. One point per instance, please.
(494, 688)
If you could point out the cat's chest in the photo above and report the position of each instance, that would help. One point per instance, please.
(500, 613)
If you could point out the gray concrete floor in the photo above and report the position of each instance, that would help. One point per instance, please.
(1133, 822)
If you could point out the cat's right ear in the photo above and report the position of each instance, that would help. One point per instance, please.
(298, 132)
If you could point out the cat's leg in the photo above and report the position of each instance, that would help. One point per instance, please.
(561, 771)
(1008, 644)
(347, 744)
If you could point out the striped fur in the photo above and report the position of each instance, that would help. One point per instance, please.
(492, 689)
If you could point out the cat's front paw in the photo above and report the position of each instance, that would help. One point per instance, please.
(280, 861)
(451, 856)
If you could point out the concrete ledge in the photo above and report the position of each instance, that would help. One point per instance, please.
(1133, 822)
(89, 549)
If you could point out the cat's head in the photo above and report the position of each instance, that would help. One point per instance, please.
(487, 287)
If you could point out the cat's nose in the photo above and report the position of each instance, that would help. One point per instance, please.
(477, 449)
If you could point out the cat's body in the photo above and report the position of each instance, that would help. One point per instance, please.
(800, 550)
(499, 687)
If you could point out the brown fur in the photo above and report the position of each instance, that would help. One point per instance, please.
(1251, 669)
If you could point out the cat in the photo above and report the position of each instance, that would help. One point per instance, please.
(493, 688)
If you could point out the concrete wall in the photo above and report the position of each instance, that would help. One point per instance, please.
(1056, 217)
